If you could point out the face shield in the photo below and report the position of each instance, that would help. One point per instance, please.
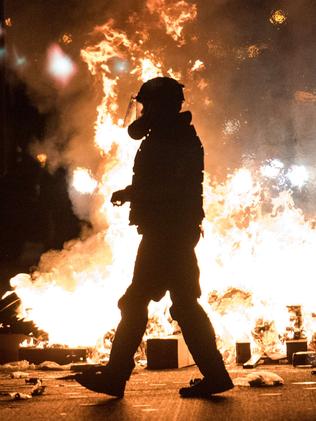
(133, 112)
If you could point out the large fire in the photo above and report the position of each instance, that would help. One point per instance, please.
(256, 255)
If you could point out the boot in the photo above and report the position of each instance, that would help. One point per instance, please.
(102, 381)
(204, 388)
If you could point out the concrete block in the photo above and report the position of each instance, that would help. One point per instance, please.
(295, 345)
(168, 352)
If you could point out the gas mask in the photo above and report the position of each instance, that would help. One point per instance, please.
(133, 111)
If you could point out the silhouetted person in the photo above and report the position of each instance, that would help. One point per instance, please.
(166, 206)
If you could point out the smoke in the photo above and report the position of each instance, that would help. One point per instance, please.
(252, 72)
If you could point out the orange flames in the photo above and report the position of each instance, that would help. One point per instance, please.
(173, 15)
(256, 255)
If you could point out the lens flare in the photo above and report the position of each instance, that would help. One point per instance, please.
(59, 66)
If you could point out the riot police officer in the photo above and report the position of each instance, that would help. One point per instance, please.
(166, 205)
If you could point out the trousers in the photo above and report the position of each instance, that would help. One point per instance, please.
(166, 263)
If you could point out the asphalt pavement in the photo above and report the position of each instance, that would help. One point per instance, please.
(153, 395)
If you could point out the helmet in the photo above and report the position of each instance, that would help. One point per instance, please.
(160, 89)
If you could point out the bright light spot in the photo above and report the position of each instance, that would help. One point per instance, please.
(42, 158)
(59, 65)
(198, 65)
(272, 169)
(2, 53)
(242, 181)
(150, 69)
(253, 51)
(298, 175)
(278, 17)
(8, 22)
(20, 61)
(83, 182)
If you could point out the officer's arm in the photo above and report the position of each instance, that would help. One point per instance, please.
(121, 196)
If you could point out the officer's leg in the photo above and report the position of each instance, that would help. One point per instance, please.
(199, 336)
(111, 379)
(129, 333)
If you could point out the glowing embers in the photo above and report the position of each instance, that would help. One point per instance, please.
(83, 181)
(59, 66)
(198, 65)
(231, 127)
(42, 158)
(66, 39)
(8, 22)
(305, 96)
(278, 17)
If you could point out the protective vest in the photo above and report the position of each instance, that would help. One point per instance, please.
(168, 175)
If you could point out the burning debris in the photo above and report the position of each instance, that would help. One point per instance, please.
(8, 22)
(66, 39)
(278, 17)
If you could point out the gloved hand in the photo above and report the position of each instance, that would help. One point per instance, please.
(119, 197)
